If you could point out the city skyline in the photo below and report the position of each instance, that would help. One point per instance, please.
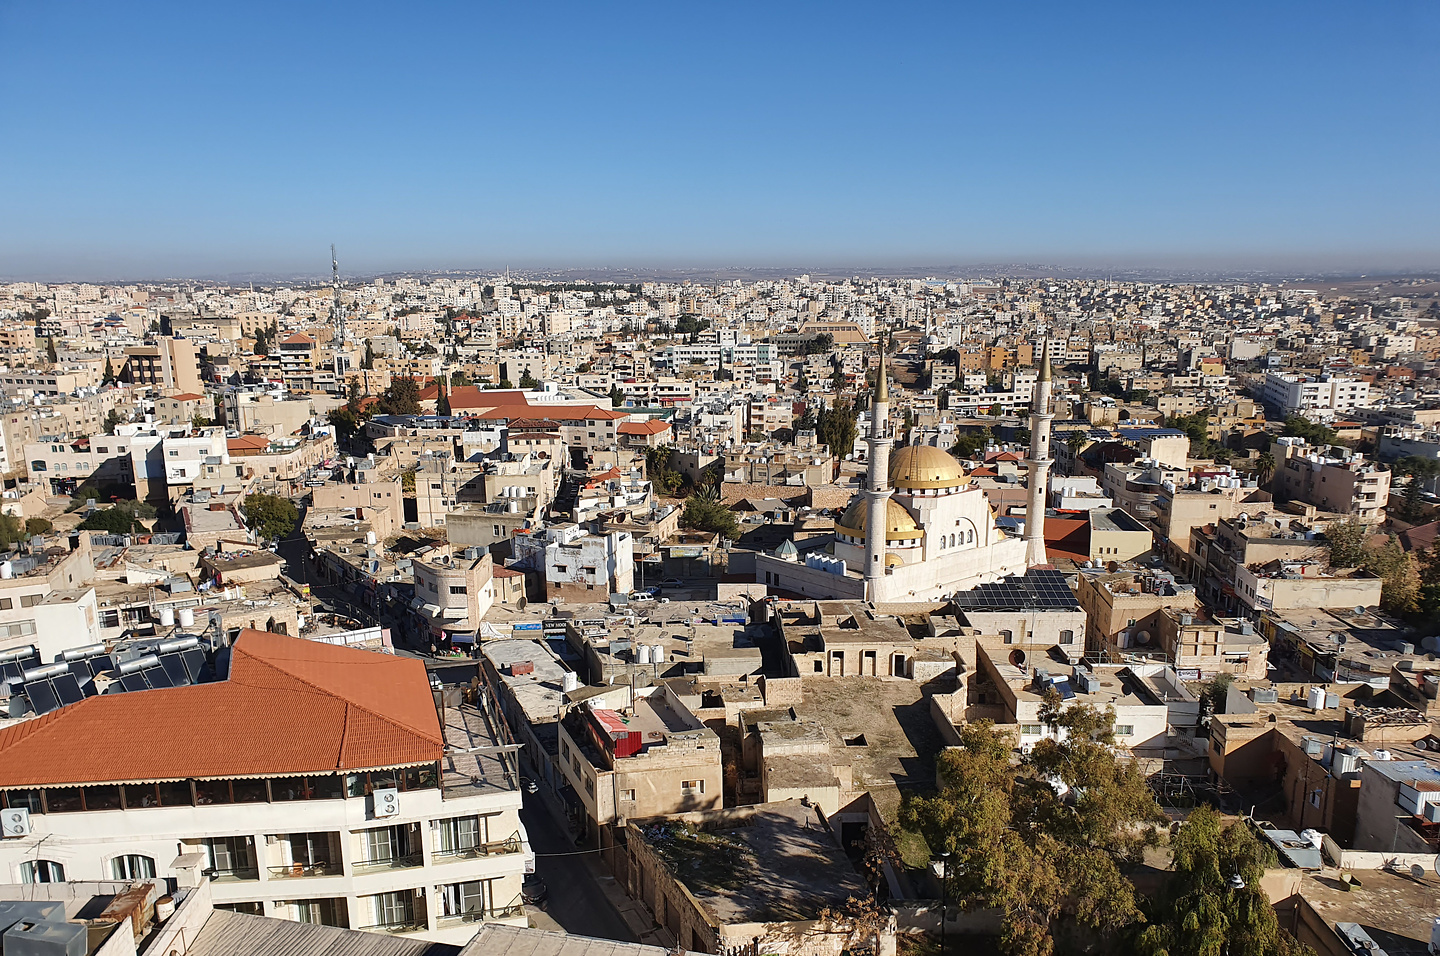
(184, 142)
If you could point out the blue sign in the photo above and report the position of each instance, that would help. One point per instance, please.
(531, 626)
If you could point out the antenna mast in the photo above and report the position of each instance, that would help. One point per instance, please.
(339, 314)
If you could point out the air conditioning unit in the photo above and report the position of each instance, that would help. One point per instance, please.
(387, 802)
(15, 823)
(1431, 814)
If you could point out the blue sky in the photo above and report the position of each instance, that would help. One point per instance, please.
(152, 139)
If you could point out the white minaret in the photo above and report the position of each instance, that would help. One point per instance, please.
(877, 484)
(1039, 464)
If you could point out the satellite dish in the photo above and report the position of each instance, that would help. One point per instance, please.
(1017, 657)
(1417, 871)
(1360, 609)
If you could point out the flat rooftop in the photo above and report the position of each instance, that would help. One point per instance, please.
(777, 864)
(466, 767)
(1395, 910)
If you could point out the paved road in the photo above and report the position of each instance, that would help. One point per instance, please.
(577, 904)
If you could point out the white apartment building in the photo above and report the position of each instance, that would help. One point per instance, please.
(316, 783)
(1321, 396)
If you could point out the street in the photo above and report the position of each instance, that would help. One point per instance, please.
(577, 903)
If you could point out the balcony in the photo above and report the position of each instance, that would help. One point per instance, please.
(404, 926)
(238, 874)
(299, 870)
(515, 908)
(389, 863)
(510, 844)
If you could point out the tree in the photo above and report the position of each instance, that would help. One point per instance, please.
(527, 381)
(38, 526)
(112, 419)
(1075, 441)
(114, 520)
(968, 443)
(1345, 543)
(1042, 840)
(1213, 902)
(806, 420)
(442, 404)
(838, 380)
(836, 427)
(704, 514)
(368, 362)
(270, 516)
(1298, 426)
(459, 378)
(506, 383)
(617, 397)
(108, 376)
(1264, 468)
(401, 398)
(1417, 470)
(50, 355)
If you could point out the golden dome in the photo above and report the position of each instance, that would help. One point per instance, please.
(899, 526)
(893, 560)
(924, 466)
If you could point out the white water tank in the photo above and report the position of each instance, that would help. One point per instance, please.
(642, 652)
(571, 682)
(370, 538)
(7, 570)
(167, 617)
(657, 654)
(300, 622)
(187, 617)
(1316, 700)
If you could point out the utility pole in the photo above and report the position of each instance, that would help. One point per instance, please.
(338, 314)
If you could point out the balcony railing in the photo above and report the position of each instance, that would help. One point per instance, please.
(235, 874)
(297, 870)
(411, 925)
(391, 862)
(516, 907)
(510, 844)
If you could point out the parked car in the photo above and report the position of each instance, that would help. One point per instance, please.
(672, 583)
(639, 597)
(653, 591)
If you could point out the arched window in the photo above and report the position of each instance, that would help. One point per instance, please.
(953, 541)
(41, 871)
(1067, 637)
(942, 541)
(1007, 636)
(132, 866)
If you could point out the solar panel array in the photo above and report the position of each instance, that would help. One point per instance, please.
(1037, 589)
(72, 681)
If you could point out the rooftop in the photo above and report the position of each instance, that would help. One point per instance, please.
(289, 706)
(776, 863)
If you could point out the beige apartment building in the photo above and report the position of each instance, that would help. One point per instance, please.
(171, 364)
(1121, 608)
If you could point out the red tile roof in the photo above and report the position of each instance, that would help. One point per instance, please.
(653, 426)
(299, 338)
(185, 397)
(290, 706)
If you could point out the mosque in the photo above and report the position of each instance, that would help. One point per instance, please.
(920, 530)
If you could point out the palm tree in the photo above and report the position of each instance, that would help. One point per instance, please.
(1264, 468)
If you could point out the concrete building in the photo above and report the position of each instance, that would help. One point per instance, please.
(1336, 480)
(453, 592)
(575, 566)
(1318, 397)
(170, 364)
(369, 811)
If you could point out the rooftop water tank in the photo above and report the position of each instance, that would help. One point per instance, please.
(571, 682)
(167, 617)
(1316, 699)
(187, 617)
(643, 654)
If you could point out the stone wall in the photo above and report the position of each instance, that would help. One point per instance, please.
(781, 691)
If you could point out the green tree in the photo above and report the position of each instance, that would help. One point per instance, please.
(368, 362)
(617, 397)
(459, 377)
(838, 380)
(658, 470)
(442, 404)
(836, 427)
(1417, 470)
(1298, 426)
(112, 419)
(806, 421)
(38, 526)
(1213, 902)
(1345, 543)
(1042, 840)
(50, 355)
(968, 443)
(505, 383)
(401, 398)
(270, 516)
(114, 520)
(704, 514)
(527, 381)
(108, 376)
(1264, 468)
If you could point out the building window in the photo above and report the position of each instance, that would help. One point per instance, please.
(1031, 730)
(1067, 637)
(627, 795)
(460, 589)
(132, 866)
(692, 786)
(1007, 636)
(41, 871)
(1124, 730)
